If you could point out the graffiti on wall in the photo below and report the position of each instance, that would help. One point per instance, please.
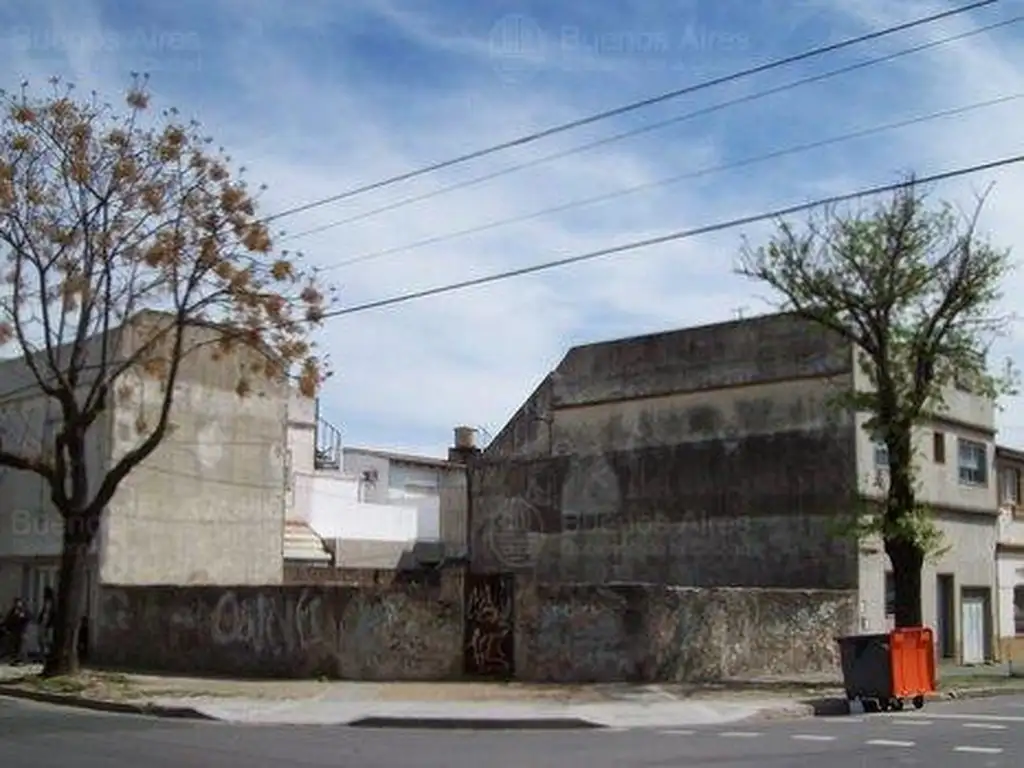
(488, 630)
(268, 624)
(389, 636)
(585, 635)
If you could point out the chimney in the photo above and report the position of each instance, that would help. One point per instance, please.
(465, 445)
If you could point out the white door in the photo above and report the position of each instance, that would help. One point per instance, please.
(973, 623)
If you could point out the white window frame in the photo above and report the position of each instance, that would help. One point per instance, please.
(972, 462)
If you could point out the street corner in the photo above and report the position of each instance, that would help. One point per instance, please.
(15, 690)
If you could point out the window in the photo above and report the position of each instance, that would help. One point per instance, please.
(939, 447)
(1009, 486)
(1018, 610)
(890, 594)
(881, 455)
(973, 461)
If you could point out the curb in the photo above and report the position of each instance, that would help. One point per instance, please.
(98, 705)
(478, 724)
(838, 706)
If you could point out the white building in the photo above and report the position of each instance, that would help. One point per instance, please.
(1010, 556)
(357, 507)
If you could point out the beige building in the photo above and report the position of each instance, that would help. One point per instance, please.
(1010, 556)
(955, 470)
(208, 507)
(714, 457)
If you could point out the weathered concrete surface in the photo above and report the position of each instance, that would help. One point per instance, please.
(396, 632)
(702, 457)
(641, 633)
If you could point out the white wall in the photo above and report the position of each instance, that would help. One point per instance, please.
(335, 512)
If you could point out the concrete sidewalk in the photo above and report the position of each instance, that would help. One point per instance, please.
(506, 714)
(476, 705)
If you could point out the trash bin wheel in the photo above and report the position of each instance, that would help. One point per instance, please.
(885, 704)
(919, 702)
(871, 705)
(897, 705)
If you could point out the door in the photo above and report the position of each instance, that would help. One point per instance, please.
(488, 625)
(945, 616)
(973, 623)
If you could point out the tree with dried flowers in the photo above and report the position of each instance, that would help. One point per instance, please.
(128, 244)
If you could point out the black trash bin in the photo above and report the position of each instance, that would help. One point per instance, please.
(867, 669)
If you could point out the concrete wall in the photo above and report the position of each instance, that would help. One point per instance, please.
(970, 558)
(641, 632)
(208, 506)
(453, 512)
(704, 457)
(403, 631)
(371, 625)
(399, 477)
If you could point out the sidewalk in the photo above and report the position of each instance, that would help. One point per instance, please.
(451, 705)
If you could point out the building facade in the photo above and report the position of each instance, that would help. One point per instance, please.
(715, 457)
(1010, 556)
(358, 508)
(207, 507)
(955, 469)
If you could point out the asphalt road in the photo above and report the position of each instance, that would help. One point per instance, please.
(986, 733)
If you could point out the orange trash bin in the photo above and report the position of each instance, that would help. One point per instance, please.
(884, 671)
(913, 663)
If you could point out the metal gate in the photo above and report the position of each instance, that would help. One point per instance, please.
(488, 647)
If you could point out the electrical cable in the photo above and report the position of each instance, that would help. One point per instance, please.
(707, 171)
(670, 237)
(624, 109)
(648, 128)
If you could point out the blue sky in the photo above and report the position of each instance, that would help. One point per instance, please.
(320, 96)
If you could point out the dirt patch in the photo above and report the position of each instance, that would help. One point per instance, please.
(107, 687)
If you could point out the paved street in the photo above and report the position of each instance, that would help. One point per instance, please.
(986, 732)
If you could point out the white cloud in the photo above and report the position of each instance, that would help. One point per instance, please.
(302, 100)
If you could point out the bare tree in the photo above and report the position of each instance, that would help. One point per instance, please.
(914, 288)
(128, 245)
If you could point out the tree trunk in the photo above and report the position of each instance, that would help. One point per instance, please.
(71, 597)
(907, 560)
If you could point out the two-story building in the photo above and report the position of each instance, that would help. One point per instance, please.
(1010, 555)
(207, 507)
(716, 457)
(955, 460)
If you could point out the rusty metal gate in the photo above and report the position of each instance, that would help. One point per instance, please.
(488, 646)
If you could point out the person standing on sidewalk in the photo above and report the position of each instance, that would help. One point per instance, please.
(46, 622)
(16, 623)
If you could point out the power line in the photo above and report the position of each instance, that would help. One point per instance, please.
(707, 171)
(631, 107)
(673, 236)
(648, 128)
